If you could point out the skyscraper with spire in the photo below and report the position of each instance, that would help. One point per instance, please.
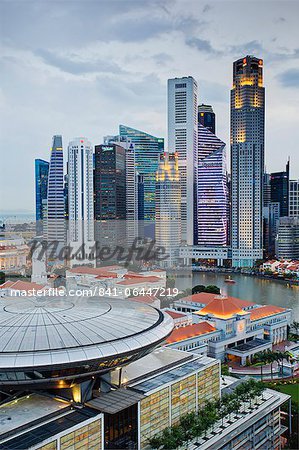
(55, 220)
(247, 160)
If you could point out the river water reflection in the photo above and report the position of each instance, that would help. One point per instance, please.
(258, 290)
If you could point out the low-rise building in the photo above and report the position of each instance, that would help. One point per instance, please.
(243, 328)
(13, 253)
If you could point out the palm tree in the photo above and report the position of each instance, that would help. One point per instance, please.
(262, 358)
(295, 327)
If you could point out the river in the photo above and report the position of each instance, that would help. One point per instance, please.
(258, 290)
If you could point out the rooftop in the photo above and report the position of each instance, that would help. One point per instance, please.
(206, 298)
(20, 285)
(99, 272)
(175, 314)
(265, 311)
(190, 331)
(222, 307)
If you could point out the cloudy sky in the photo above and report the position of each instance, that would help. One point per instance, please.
(83, 67)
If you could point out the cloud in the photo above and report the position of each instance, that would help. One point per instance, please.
(202, 45)
(76, 66)
(206, 8)
(289, 78)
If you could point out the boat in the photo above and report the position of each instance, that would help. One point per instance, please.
(229, 280)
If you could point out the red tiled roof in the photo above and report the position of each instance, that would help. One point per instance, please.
(222, 307)
(143, 299)
(206, 298)
(7, 284)
(99, 271)
(265, 311)
(139, 280)
(20, 285)
(183, 333)
(175, 314)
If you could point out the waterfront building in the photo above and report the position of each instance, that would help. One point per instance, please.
(54, 230)
(294, 198)
(182, 139)
(147, 151)
(287, 241)
(103, 383)
(240, 328)
(13, 254)
(80, 200)
(271, 218)
(267, 189)
(206, 117)
(41, 188)
(212, 191)
(168, 232)
(247, 160)
(279, 182)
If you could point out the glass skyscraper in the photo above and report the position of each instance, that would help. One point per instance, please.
(41, 187)
(206, 117)
(212, 190)
(279, 182)
(147, 151)
(55, 197)
(247, 160)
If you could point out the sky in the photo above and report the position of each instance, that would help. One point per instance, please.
(81, 68)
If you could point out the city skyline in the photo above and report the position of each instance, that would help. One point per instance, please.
(60, 68)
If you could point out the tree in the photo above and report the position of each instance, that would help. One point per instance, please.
(212, 289)
(295, 327)
(2, 277)
(198, 288)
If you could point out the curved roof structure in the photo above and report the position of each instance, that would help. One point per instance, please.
(222, 307)
(58, 338)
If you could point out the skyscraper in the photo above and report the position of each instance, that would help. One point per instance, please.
(80, 197)
(55, 227)
(279, 182)
(212, 190)
(287, 242)
(147, 151)
(110, 182)
(247, 160)
(206, 117)
(168, 206)
(294, 198)
(182, 139)
(41, 188)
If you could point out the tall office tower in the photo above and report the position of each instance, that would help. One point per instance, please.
(212, 192)
(41, 188)
(182, 139)
(279, 182)
(54, 206)
(287, 242)
(80, 195)
(267, 189)
(294, 198)
(206, 117)
(168, 207)
(247, 160)
(271, 214)
(147, 151)
(110, 182)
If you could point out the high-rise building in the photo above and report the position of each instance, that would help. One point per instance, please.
(287, 242)
(182, 139)
(206, 117)
(212, 191)
(271, 217)
(147, 151)
(294, 198)
(54, 206)
(267, 189)
(80, 198)
(110, 182)
(41, 188)
(168, 206)
(247, 160)
(279, 182)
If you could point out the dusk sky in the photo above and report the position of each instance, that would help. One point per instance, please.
(81, 68)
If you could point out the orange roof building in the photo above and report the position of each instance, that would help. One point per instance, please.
(222, 308)
(190, 331)
(265, 311)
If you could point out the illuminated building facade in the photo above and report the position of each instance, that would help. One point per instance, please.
(54, 231)
(80, 197)
(182, 139)
(212, 190)
(168, 205)
(247, 160)
(287, 241)
(41, 188)
(147, 151)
